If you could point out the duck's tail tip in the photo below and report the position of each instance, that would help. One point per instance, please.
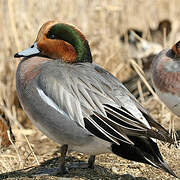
(164, 166)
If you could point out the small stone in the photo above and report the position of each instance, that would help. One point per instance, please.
(126, 177)
(130, 177)
(141, 178)
(115, 170)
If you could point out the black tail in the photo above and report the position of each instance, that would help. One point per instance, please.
(144, 150)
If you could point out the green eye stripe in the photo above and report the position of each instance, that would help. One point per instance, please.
(71, 35)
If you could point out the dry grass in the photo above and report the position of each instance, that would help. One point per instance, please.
(103, 22)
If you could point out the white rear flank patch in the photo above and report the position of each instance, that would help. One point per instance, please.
(50, 102)
(30, 51)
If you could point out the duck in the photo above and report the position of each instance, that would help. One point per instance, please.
(145, 50)
(162, 31)
(165, 76)
(81, 106)
(134, 35)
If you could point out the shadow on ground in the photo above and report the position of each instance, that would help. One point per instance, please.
(44, 168)
(42, 172)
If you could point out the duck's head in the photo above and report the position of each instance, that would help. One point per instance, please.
(59, 41)
(176, 50)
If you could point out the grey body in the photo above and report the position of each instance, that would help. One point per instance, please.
(76, 91)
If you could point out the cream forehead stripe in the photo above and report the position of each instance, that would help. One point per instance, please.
(44, 29)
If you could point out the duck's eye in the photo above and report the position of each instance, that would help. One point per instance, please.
(50, 36)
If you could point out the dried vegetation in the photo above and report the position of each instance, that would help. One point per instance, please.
(103, 22)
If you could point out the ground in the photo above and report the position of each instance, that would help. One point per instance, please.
(103, 22)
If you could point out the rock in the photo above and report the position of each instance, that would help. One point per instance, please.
(115, 170)
(141, 178)
(127, 177)
(130, 177)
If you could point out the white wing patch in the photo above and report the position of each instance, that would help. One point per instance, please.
(50, 102)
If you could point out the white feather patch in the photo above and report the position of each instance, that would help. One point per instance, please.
(50, 102)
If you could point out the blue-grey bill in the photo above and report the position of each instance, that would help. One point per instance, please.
(33, 50)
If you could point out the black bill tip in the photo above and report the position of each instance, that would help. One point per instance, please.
(17, 55)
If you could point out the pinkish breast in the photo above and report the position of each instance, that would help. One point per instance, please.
(165, 81)
(29, 68)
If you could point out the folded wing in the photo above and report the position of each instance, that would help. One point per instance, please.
(98, 102)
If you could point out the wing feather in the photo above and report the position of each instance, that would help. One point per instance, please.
(98, 102)
(105, 133)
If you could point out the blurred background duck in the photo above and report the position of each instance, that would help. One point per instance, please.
(143, 47)
(166, 79)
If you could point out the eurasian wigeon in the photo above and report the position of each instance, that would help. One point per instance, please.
(166, 79)
(80, 105)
